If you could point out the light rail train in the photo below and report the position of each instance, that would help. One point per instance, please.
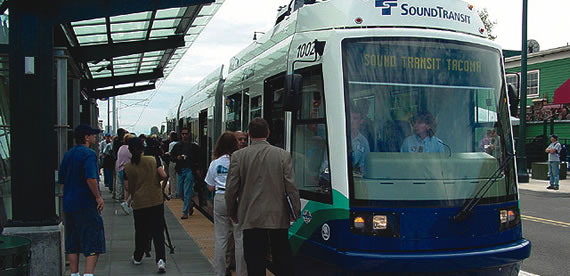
(396, 114)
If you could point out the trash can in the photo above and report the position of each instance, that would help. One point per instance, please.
(14, 256)
(540, 170)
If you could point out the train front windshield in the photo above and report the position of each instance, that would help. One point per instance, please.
(427, 123)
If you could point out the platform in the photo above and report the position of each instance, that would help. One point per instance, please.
(188, 259)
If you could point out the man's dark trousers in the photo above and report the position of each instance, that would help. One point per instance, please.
(255, 244)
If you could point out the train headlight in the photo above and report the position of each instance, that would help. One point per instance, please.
(503, 217)
(382, 224)
(379, 222)
(508, 218)
(359, 223)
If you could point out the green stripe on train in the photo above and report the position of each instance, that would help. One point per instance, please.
(300, 231)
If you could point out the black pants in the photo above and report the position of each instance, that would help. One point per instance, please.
(149, 223)
(256, 241)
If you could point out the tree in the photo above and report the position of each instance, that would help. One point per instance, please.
(154, 130)
(484, 15)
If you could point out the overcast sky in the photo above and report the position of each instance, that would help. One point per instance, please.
(232, 29)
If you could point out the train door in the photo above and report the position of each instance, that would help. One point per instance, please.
(273, 109)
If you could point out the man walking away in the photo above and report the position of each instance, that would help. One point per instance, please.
(553, 151)
(82, 202)
(260, 175)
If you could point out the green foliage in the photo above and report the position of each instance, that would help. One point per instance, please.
(484, 15)
(154, 130)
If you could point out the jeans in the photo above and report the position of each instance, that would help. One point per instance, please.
(108, 176)
(185, 188)
(554, 169)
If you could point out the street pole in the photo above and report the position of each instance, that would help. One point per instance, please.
(521, 153)
(108, 115)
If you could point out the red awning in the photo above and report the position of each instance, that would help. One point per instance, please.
(562, 93)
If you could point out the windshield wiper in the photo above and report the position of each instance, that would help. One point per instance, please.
(473, 201)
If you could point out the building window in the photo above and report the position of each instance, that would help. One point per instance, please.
(533, 82)
(514, 80)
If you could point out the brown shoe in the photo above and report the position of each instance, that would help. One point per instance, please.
(184, 216)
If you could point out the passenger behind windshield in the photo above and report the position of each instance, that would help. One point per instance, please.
(424, 139)
(360, 145)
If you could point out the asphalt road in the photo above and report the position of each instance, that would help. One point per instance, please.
(546, 223)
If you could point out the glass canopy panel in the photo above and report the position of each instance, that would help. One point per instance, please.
(167, 23)
(153, 58)
(162, 33)
(201, 21)
(92, 39)
(129, 26)
(128, 57)
(169, 13)
(128, 36)
(96, 21)
(154, 54)
(124, 66)
(146, 71)
(195, 30)
(152, 63)
(90, 30)
(131, 17)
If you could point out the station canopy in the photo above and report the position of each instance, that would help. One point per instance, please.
(129, 53)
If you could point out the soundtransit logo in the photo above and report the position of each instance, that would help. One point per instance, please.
(386, 6)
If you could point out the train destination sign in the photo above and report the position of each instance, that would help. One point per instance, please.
(422, 62)
(425, 61)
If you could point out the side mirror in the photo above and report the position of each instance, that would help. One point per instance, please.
(292, 92)
(513, 95)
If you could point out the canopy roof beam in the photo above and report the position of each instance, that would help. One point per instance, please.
(111, 81)
(108, 51)
(119, 91)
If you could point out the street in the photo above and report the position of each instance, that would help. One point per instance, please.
(546, 223)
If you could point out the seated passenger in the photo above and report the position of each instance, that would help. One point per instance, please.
(424, 140)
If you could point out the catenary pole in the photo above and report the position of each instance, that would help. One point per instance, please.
(521, 153)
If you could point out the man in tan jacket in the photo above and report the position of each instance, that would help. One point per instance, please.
(258, 177)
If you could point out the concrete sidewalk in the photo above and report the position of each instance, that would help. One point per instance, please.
(120, 241)
(540, 186)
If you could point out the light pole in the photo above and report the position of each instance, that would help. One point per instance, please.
(521, 153)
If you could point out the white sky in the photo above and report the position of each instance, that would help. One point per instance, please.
(231, 30)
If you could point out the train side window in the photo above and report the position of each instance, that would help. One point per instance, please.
(233, 112)
(309, 141)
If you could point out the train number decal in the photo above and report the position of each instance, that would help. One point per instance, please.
(306, 49)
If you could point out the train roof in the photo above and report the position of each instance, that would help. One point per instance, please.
(449, 15)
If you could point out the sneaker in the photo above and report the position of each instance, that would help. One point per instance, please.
(125, 207)
(550, 187)
(136, 262)
(184, 216)
(191, 211)
(556, 188)
(161, 266)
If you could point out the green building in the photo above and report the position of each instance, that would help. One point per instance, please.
(548, 73)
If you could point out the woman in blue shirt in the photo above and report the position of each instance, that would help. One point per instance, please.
(424, 139)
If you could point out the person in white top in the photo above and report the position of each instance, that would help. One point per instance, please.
(223, 226)
(553, 151)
